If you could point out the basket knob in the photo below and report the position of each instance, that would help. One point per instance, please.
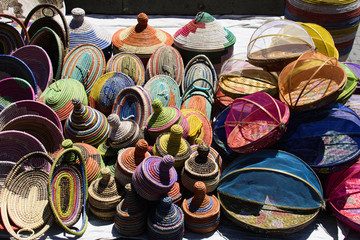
(166, 163)
(200, 198)
(67, 143)
(142, 19)
(141, 148)
(105, 174)
(77, 103)
(176, 131)
(164, 206)
(203, 151)
(78, 14)
(114, 120)
(157, 106)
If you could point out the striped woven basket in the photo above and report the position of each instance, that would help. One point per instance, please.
(213, 154)
(200, 126)
(129, 64)
(15, 89)
(11, 38)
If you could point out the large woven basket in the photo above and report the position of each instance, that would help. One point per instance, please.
(11, 38)
(15, 89)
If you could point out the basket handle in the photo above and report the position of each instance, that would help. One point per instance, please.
(194, 88)
(24, 32)
(57, 10)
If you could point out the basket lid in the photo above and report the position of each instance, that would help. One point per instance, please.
(106, 88)
(85, 63)
(154, 177)
(86, 124)
(15, 89)
(59, 94)
(11, 38)
(166, 60)
(141, 39)
(197, 117)
(129, 64)
(213, 155)
(81, 31)
(11, 66)
(164, 88)
(204, 34)
(163, 117)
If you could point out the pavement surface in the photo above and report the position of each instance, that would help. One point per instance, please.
(354, 56)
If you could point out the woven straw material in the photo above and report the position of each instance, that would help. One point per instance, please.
(239, 78)
(201, 211)
(175, 193)
(39, 63)
(86, 124)
(85, 63)
(166, 60)
(164, 88)
(201, 168)
(351, 84)
(123, 133)
(255, 122)
(204, 34)
(47, 39)
(141, 39)
(173, 144)
(166, 221)
(68, 189)
(200, 126)
(28, 107)
(105, 90)
(41, 128)
(312, 81)
(104, 196)
(130, 218)
(15, 89)
(213, 155)
(199, 100)
(25, 197)
(11, 37)
(128, 159)
(154, 177)
(355, 68)
(11, 66)
(81, 31)
(59, 94)
(129, 64)
(133, 103)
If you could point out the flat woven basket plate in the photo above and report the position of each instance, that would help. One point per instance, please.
(14, 89)
(11, 38)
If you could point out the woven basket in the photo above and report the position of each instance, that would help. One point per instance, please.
(59, 94)
(355, 68)
(200, 126)
(277, 43)
(47, 39)
(41, 128)
(11, 66)
(312, 81)
(85, 63)
(67, 188)
(25, 198)
(166, 60)
(81, 31)
(201, 211)
(11, 38)
(213, 155)
(164, 88)
(129, 64)
(350, 86)
(141, 39)
(14, 89)
(175, 194)
(39, 63)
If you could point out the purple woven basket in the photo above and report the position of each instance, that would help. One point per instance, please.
(39, 62)
(15, 89)
(26, 107)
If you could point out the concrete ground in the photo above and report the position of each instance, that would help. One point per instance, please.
(354, 56)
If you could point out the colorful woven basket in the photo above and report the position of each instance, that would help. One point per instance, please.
(39, 63)
(85, 63)
(263, 206)
(164, 88)
(201, 167)
(239, 78)
(255, 122)
(131, 214)
(11, 37)
(166, 221)
(327, 138)
(86, 124)
(128, 159)
(124, 133)
(351, 84)
(58, 96)
(40, 127)
(133, 103)
(81, 31)
(166, 60)
(202, 212)
(48, 40)
(199, 126)
(154, 177)
(141, 39)
(104, 196)
(25, 198)
(105, 90)
(68, 189)
(14, 89)
(129, 64)
(277, 43)
(11, 66)
(312, 81)
(175, 193)
(204, 35)
(213, 155)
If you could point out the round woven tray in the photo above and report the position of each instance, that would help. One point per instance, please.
(15, 89)
(11, 38)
